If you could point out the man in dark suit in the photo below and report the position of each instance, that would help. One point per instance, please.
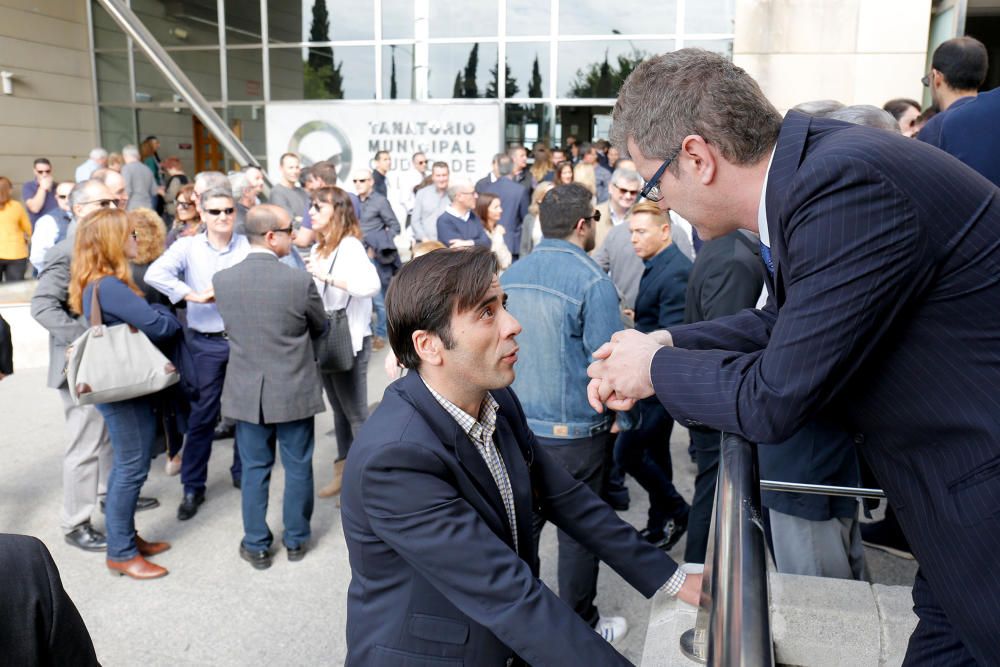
(884, 315)
(515, 200)
(958, 69)
(272, 387)
(39, 624)
(441, 485)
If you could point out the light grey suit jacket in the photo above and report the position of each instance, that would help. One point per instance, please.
(50, 308)
(271, 311)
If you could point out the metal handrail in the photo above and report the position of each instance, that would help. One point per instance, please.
(733, 627)
(821, 489)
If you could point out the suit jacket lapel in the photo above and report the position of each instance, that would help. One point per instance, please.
(520, 484)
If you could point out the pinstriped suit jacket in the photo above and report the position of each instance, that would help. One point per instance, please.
(885, 314)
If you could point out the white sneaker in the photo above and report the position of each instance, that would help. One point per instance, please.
(612, 628)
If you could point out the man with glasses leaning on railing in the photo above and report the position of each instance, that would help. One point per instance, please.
(881, 255)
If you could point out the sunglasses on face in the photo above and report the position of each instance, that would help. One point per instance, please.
(42, 172)
(220, 211)
(185, 204)
(626, 191)
(62, 196)
(361, 180)
(284, 230)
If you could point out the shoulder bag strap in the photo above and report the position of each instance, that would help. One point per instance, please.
(336, 254)
(96, 318)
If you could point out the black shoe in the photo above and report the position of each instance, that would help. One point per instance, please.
(618, 501)
(298, 553)
(886, 536)
(260, 560)
(140, 505)
(238, 482)
(189, 506)
(675, 532)
(86, 538)
(666, 537)
(224, 431)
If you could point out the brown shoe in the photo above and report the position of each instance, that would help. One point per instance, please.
(137, 568)
(378, 343)
(333, 488)
(148, 549)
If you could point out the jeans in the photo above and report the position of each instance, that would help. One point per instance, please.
(210, 355)
(132, 426)
(295, 440)
(583, 458)
(378, 303)
(644, 453)
(348, 396)
(706, 444)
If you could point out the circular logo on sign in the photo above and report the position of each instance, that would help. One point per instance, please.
(319, 140)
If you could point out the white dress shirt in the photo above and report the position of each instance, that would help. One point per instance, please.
(349, 263)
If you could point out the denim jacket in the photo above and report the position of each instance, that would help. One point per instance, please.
(567, 307)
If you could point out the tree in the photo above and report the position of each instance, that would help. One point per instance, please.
(510, 86)
(535, 86)
(392, 76)
(459, 88)
(469, 86)
(322, 77)
(604, 79)
(319, 31)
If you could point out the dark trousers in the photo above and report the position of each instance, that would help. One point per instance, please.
(295, 442)
(934, 641)
(583, 458)
(132, 427)
(644, 453)
(210, 356)
(13, 270)
(706, 444)
(348, 396)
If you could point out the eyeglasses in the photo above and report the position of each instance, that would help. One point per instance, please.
(596, 217)
(185, 204)
(421, 162)
(42, 172)
(926, 79)
(626, 191)
(286, 230)
(651, 191)
(103, 203)
(220, 211)
(361, 180)
(62, 196)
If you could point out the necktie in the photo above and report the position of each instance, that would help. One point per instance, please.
(765, 254)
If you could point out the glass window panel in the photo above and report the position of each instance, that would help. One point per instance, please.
(202, 67)
(397, 72)
(245, 70)
(528, 17)
(397, 19)
(175, 132)
(598, 69)
(601, 17)
(322, 73)
(709, 16)
(179, 23)
(116, 128)
(320, 20)
(529, 68)
(243, 22)
(724, 47)
(461, 70)
(107, 34)
(473, 18)
(351, 19)
(288, 20)
(247, 123)
(112, 77)
(528, 124)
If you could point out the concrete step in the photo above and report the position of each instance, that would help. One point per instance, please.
(815, 622)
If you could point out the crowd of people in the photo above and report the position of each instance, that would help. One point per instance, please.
(553, 254)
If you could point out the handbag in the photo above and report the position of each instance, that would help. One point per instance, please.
(115, 363)
(334, 349)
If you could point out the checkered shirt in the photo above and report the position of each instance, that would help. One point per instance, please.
(480, 432)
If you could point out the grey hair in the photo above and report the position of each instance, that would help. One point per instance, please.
(626, 175)
(129, 150)
(80, 190)
(819, 108)
(239, 182)
(505, 166)
(867, 115)
(98, 154)
(216, 192)
(455, 185)
(211, 180)
(694, 91)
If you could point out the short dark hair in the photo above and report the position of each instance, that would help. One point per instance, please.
(325, 171)
(898, 106)
(379, 154)
(562, 208)
(963, 62)
(428, 290)
(439, 164)
(281, 160)
(41, 160)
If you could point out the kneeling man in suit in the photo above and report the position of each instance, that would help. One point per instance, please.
(440, 487)
(272, 386)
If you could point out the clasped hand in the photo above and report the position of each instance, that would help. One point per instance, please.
(620, 375)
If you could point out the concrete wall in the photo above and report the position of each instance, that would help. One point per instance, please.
(51, 113)
(855, 51)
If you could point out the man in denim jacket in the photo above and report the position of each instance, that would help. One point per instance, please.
(569, 307)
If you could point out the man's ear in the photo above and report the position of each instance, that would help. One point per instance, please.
(699, 157)
(428, 347)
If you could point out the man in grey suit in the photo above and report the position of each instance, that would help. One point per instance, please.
(87, 459)
(272, 387)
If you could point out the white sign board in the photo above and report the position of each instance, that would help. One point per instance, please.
(466, 136)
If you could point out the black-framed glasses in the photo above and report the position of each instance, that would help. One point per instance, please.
(284, 230)
(626, 191)
(596, 217)
(103, 203)
(926, 79)
(62, 196)
(651, 191)
(220, 211)
(185, 204)
(43, 172)
(361, 180)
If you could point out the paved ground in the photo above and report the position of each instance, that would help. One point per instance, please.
(213, 609)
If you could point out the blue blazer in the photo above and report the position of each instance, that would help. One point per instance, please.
(662, 289)
(970, 134)
(885, 316)
(515, 200)
(435, 578)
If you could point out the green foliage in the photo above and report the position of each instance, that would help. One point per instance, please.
(323, 83)
(469, 86)
(510, 86)
(605, 79)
